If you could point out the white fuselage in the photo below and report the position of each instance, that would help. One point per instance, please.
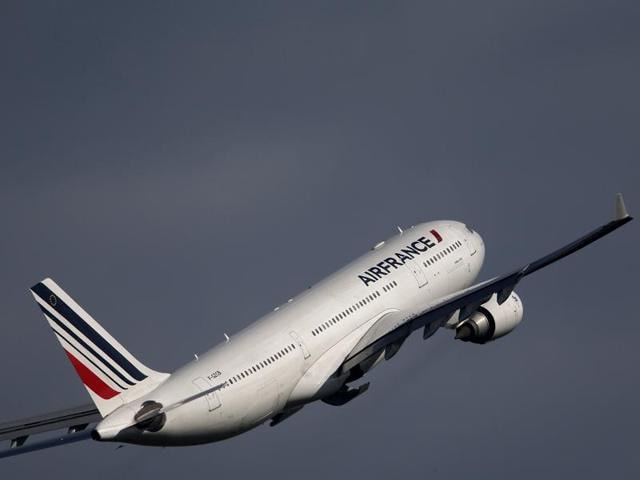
(290, 356)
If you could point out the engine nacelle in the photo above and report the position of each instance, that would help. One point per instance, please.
(491, 321)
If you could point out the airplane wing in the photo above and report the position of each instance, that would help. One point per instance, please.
(467, 301)
(75, 420)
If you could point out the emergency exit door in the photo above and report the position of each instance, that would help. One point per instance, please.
(212, 398)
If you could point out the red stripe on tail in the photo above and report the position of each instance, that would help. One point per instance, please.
(437, 235)
(91, 380)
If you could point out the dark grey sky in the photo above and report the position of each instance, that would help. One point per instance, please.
(182, 169)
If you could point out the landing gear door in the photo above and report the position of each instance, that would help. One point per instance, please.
(418, 273)
(212, 398)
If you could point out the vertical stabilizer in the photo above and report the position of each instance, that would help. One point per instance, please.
(111, 374)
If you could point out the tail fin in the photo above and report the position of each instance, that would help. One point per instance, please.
(109, 372)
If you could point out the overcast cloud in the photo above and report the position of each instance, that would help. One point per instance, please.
(182, 168)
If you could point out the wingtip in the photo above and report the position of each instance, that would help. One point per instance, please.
(621, 209)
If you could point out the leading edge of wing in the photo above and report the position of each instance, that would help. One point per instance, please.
(469, 299)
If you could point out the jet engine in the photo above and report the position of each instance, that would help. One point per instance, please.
(491, 320)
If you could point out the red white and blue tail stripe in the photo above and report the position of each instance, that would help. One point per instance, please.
(109, 372)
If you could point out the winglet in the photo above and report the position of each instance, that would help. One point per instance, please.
(621, 210)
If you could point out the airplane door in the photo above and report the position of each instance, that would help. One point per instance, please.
(418, 273)
(301, 344)
(472, 248)
(472, 251)
(212, 398)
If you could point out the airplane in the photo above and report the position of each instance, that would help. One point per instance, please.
(313, 347)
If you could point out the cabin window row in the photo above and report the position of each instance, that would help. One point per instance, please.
(440, 255)
(389, 286)
(344, 314)
(262, 364)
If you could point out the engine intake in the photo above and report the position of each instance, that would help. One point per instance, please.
(491, 320)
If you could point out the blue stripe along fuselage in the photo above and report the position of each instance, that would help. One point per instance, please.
(72, 317)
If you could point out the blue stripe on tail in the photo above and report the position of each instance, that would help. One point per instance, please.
(72, 317)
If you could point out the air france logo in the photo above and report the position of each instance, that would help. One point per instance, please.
(414, 249)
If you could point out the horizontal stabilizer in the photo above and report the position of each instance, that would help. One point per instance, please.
(51, 442)
(67, 419)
